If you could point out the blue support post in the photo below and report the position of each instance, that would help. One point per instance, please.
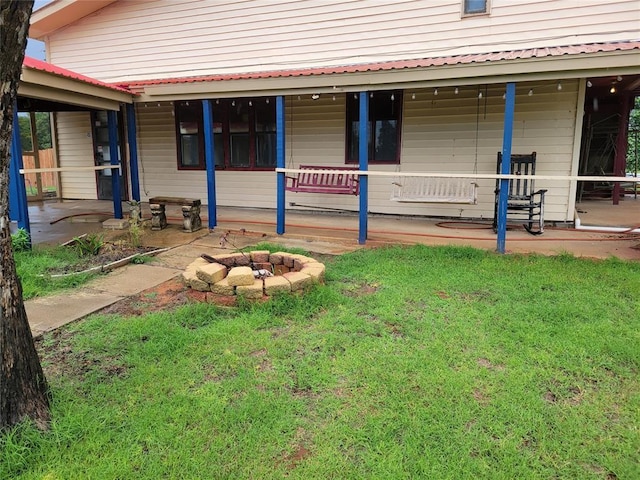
(18, 206)
(280, 155)
(133, 152)
(210, 162)
(505, 169)
(363, 157)
(114, 154)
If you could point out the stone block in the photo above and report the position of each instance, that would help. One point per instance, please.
(190, 272)
(288, 259)
(242, 259)
(227, 259)
(274, 285)
(252, 291)
(189, 275)
(276, 258)
(240, 276)
(299, 261)
(198, 262)
(211, 273)
(280, 269)
(116, 224)
(200, 285)
(315, 270)
(263, 266)
(260, 256)
(222, 287)
(298, 280)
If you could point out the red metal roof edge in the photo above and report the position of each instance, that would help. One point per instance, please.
(402, 64)
(35, 64)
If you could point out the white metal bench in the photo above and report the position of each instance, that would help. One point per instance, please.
(435, 190)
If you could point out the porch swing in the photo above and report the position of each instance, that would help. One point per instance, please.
(423, 189)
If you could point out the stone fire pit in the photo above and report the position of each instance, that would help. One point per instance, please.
(253, 275)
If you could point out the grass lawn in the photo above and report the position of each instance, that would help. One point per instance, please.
(410, 362)
(33, 268)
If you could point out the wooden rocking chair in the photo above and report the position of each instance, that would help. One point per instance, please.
(523, 199)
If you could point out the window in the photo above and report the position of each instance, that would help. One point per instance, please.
(190, 139)
(385, 112)
(244, 134)
(475, 7)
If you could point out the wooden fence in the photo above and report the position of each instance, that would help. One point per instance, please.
(49, 179)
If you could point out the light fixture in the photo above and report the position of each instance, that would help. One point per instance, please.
(298, 97)
(233, 103)
(217, 101)
(530, 92)
(315, 96)
(187, 104)
(619, 78)
(456, 91)
(479, 94)
(145, 105)
(559, 87)
(334, 98)
(158, 103)
(267, 101)
(504, 96)
(393, 97)
(413, 96)
(371, 95)
(435, 92)
(589, 84)
(355, 96)
(250, 103)
(612, 89)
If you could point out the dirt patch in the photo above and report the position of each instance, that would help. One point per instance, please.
(109, 252)
(166, 296)
(60, 358)
(483, 362)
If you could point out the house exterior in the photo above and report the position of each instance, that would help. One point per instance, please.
(435, 74)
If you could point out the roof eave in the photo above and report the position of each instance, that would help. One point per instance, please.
(60, 13)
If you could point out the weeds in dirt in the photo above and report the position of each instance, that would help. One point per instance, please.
(34, 266)
(457, 363)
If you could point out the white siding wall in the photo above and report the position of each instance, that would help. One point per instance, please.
(439, 135)
(75, 149)
(131, 40)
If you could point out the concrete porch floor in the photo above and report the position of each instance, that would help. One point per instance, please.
(59, 221)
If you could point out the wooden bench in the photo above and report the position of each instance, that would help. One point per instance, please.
(330, 182)
(190, 212)
(435, 190)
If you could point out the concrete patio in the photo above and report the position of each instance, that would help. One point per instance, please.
(56, 222)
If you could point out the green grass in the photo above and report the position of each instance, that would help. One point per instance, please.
(410, 362)
(33, 268)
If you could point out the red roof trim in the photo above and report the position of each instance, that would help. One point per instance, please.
(30, 62)
(404, 64)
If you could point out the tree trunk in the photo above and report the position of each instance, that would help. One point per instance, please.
(24, 393)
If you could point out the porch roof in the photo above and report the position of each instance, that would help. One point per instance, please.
(571, 61)
(49, 84)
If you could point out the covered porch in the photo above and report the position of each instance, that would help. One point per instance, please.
(54, 222)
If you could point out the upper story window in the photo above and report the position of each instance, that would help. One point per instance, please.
(244, 134)
(475, 7)
(385, 113)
